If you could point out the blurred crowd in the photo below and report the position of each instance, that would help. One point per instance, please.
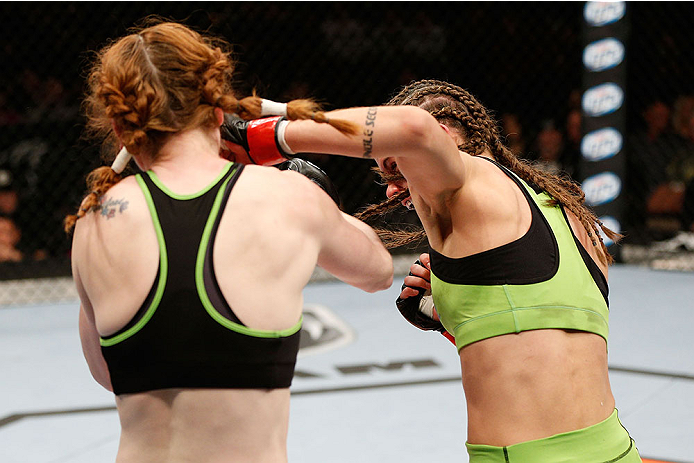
(661, 166)
(43, 159)
(38, 121)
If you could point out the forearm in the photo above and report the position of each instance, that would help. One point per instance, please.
(352, 252)
(379, 262)
(385, 131)
(364, 228)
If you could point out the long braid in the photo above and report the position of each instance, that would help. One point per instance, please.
(392, 238)
(162, 79)
(458, 109)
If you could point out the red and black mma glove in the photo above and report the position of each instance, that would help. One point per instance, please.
(313, 173)
(417, 309)
(258, 137)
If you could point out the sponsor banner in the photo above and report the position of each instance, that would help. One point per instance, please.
(598, 14)
(603, 54)
(601, 188)
(602, 99)
(604, 115)
(601, 144)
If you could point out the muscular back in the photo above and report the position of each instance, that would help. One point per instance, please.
(269, 237)
(276, 226)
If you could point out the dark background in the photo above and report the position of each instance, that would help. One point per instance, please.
(522, 59)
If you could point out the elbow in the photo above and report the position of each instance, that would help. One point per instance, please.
(387, 282)
(418, 128)
(383, 281)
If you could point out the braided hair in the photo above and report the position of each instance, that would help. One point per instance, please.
(161, 79)
(460, 111)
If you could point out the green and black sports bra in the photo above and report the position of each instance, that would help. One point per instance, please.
(543, 280)
(185, 334)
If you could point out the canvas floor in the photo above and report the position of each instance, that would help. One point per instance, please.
(368, 386)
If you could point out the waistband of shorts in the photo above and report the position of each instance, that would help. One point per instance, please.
(605, 441)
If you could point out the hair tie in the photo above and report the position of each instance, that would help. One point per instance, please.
(122, 160)
(272, 108)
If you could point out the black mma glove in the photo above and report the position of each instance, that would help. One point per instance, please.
(313, 173)
(415, 309)
(258, 137)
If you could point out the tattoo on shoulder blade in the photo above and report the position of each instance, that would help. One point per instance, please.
(369, 127)
(109, 207)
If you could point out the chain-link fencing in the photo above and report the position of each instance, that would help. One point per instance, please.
(523, 60)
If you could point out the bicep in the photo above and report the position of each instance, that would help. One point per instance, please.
(426, 154)
(351, 251)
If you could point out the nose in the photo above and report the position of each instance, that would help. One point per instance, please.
(394, 188)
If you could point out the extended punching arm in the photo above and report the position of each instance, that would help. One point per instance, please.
(262, 139)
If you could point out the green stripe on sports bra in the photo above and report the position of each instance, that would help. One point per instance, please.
(163, 270)
(199, 281)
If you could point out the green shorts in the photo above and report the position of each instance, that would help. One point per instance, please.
(607, 441)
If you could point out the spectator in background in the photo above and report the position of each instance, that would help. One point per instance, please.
(682, 109)
(651, 151)
(680, 190)
(682, 171)
(12, 247)
(549, 147)
(9, 239)
(681, 168)
(572, 148)
(9, 231)
(513, 131)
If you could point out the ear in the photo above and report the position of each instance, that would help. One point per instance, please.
(454, 135)
(219, 114)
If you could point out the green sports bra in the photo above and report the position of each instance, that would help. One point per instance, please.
(543, 280)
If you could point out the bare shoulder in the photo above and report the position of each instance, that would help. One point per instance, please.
(488, 185)
(586, 241)
(288, 189)
(122, 205)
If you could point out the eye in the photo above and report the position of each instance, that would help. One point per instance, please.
(391, 166)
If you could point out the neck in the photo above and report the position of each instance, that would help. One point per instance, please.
(194, 148)
(189, 160)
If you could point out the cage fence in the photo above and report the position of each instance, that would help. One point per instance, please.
(522, 60)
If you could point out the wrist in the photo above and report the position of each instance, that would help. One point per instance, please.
(266, 143)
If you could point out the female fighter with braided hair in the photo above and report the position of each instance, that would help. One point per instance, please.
(191, 274)
(517, 267)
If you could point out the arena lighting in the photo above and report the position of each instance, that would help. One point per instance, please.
(603, 102)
